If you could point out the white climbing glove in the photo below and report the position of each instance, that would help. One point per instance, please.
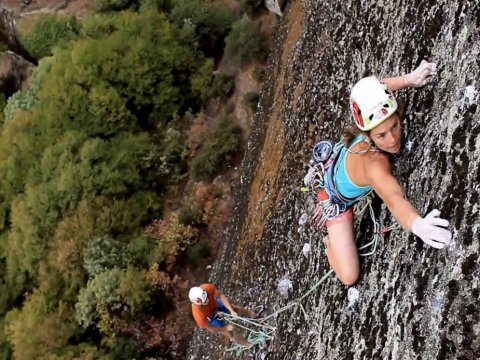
(431, 229)
(421, 75)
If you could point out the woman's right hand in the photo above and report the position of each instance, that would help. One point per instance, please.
(431, 229)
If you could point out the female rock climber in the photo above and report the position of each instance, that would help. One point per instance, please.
(362, 164)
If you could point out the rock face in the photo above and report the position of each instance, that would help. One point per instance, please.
(275, 6)
(412, 301)
(15, 73)
(9, 36)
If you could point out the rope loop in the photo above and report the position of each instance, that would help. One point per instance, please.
(261, 330)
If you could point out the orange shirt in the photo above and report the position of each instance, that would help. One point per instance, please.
(201, 312)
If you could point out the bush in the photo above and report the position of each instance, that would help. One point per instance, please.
(112, 5)
(159, 5)
(125, 349)
(99, 25)
(49, 32)
(215, 154)
(103, 253)
(135, 290)
(3, 104)
(198, 251)
(21, 100)
(259, 73)
(250, 99)
(168, 158)
(251, 7)
(210, 22)
(144, 251)
(202, 81)
(101, 290)
(222, 86)
(230, 108)
(244, 43)
(190, 215)
(171, 235)
(25, 100)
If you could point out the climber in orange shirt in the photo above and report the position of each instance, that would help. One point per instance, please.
(208, 304)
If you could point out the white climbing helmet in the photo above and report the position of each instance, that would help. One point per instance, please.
(197, 295)
(371, 103)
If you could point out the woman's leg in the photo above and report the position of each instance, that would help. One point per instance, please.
(342, 251)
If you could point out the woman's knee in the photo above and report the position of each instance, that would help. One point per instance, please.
(349, 277)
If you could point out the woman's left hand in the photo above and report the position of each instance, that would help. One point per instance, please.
(421, 75)
(432, 230)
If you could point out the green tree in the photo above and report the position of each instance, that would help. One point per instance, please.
(100, 291)
(97, 26)
(168, 158)
(216, 152)
(244, 43)
(222, 86)
(82, 160)
(146, 61)
(103, 253)
(113, 292)
(144, 251)
(3, 103)
(135, 290)
(211, 22)
(48, 32)
(38, 332)
(125, 349)
(202, 81)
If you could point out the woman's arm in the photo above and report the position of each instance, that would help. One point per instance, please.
(431, 229)
(387, 187)
(396, 83)
(417, 78)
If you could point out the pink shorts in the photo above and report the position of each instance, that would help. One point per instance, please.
(345, 216)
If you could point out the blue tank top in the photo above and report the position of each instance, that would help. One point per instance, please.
(342, 181)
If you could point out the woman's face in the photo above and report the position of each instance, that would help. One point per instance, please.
(387, 135)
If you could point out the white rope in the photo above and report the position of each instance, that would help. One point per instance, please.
(260, 337)
(264, 331)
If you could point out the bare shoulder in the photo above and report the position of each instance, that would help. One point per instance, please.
(378, 164)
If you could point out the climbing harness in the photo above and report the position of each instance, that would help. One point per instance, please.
(325, 163)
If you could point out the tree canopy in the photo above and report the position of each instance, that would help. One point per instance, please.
(87, 154)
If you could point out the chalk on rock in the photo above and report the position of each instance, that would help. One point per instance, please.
(437, 304)
(470, 94)
(352, 295)
(284, 286)
(303, 219)
(306, 249)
